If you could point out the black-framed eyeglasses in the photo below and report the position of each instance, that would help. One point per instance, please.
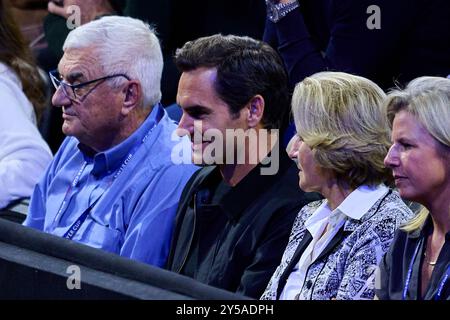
(74, 93)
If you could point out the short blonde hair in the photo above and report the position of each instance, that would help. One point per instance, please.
(428, 99)
(341, 117)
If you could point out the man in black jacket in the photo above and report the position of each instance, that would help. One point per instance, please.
(235, 216)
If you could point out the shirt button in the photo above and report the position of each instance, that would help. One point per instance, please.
(309, 284)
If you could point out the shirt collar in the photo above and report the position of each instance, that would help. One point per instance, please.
(248, 189)
(355, 206)
(361, 200)
(322, 213)
(108, 161)
(252, 187)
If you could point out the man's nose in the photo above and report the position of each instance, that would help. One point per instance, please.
(60, 98)
(185, 126)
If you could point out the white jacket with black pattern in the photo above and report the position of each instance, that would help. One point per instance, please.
(346, 269)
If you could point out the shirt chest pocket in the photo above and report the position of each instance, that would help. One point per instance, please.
(102, 236)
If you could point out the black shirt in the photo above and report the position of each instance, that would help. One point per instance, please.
(406, 257)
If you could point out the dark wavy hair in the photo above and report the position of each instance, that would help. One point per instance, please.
(16, 55)
(245, 67)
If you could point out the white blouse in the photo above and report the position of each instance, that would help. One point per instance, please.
(24, 155)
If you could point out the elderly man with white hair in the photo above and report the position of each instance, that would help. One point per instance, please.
(112, 184)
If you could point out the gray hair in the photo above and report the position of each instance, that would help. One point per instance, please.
(428, 99)
(125, 45)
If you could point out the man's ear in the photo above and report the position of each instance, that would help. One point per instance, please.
(255, 110)
(133, 96)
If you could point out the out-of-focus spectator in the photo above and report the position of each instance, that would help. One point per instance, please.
(30, 15)
(24, 155)
(88, 9)
(57, 29)
(382, 40)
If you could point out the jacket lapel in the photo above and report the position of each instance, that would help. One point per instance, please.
(337, 239)
(295, 258)
(180, 242)
(349, 226)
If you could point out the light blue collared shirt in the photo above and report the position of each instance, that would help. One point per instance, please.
(135, 213)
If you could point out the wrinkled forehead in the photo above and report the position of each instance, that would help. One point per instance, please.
(81, 63)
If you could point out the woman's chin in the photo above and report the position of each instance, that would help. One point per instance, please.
(406, 194)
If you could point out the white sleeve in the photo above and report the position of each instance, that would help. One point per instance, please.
(24, 155)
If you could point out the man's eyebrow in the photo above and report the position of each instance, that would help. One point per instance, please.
(73, 76)
(197, 108)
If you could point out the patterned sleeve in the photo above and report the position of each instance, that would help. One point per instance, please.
(358, 280)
